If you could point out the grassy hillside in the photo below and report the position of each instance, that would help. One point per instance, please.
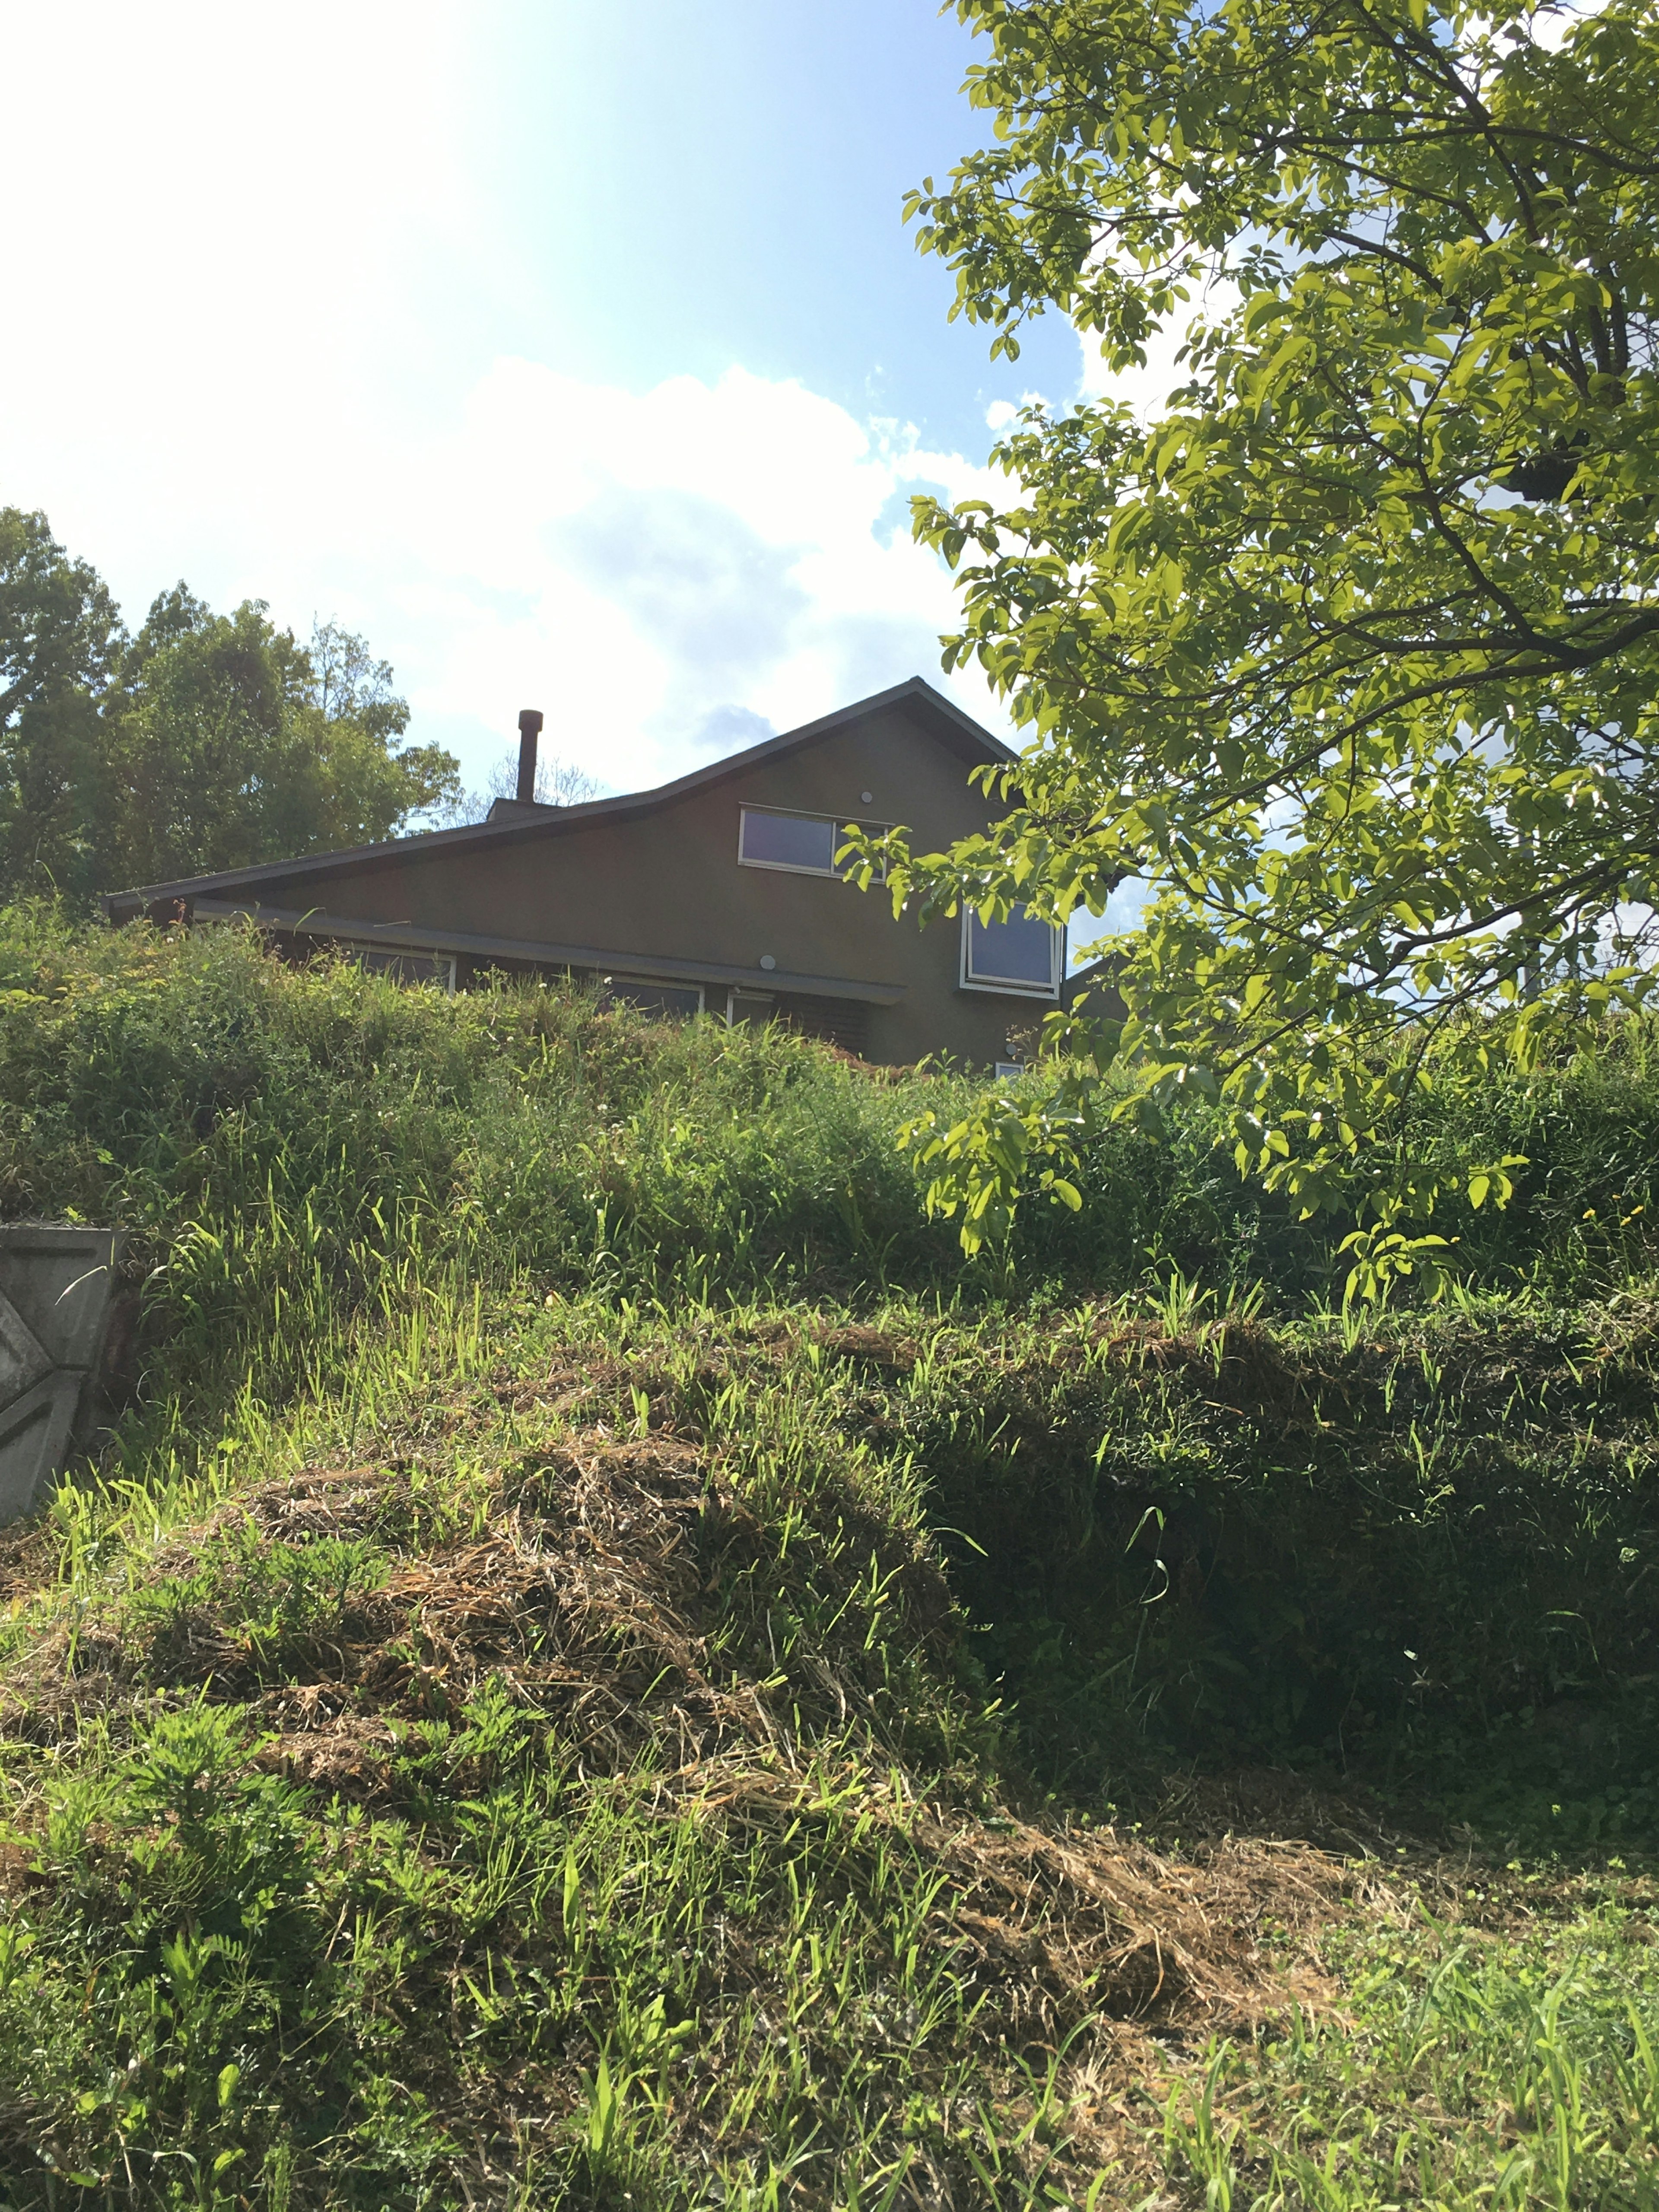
(601, 1666)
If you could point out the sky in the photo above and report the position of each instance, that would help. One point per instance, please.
(578, 357)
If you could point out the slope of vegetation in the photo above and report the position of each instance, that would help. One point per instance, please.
(600, 1666)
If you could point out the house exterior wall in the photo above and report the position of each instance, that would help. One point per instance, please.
(665, 883)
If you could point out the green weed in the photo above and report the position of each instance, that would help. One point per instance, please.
(1473, 2071)
(597, 1667)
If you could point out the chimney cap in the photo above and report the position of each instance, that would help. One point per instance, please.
(530, 718)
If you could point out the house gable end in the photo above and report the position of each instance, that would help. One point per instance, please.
(310, 882)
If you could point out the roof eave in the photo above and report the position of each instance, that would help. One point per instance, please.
(956, 730)
(410, 937)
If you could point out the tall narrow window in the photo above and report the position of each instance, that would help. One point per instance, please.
(1021, 955)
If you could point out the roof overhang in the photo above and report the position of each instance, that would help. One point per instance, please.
(406, 936)
(943, 722)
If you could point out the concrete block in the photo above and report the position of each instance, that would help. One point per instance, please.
(35, 1435)
(55, 1284)
(58, 1278)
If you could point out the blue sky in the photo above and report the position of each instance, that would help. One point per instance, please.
(577, 356)
(745, 166)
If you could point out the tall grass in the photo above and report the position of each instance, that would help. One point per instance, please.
(290, 1148)
(601, 1661)
(1179, 1527)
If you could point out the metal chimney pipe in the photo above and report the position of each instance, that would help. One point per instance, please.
(530, 728)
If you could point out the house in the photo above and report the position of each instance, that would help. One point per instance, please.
(717, 893)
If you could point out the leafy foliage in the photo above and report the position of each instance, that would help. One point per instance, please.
(203, 741)
(1348, 652)
(230, 743)
(60, 636)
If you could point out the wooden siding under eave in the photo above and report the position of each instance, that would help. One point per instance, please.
(586, 959)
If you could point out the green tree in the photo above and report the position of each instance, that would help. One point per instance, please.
(207, 741)
(1350, 654)
(59, 634)
(230, 743)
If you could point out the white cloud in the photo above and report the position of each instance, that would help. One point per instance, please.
(659, 570)
(648, 566)
(258, 283)
(1002, 414)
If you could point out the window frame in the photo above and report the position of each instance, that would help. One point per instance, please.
(383, 956)
(617, 987)
(1011, 987)
(767, 999)
(836, 824)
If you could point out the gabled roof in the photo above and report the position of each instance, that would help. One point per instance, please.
(511, 823)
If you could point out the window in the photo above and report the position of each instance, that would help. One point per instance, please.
(805, 844)
(1020, 955)
(437, 967)
(749, 1009)
(676, 1002)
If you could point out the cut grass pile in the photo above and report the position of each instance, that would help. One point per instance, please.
(591, 1792)
(591, 1796)
(600, 1671)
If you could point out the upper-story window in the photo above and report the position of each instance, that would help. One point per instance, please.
(1021, 955)
(806, 844)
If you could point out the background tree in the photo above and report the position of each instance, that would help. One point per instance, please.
(59, 634)
(207, 741)
(1351, 653)
(231, 744)
(558, 783)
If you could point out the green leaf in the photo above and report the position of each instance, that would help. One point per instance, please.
(1350, 720)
